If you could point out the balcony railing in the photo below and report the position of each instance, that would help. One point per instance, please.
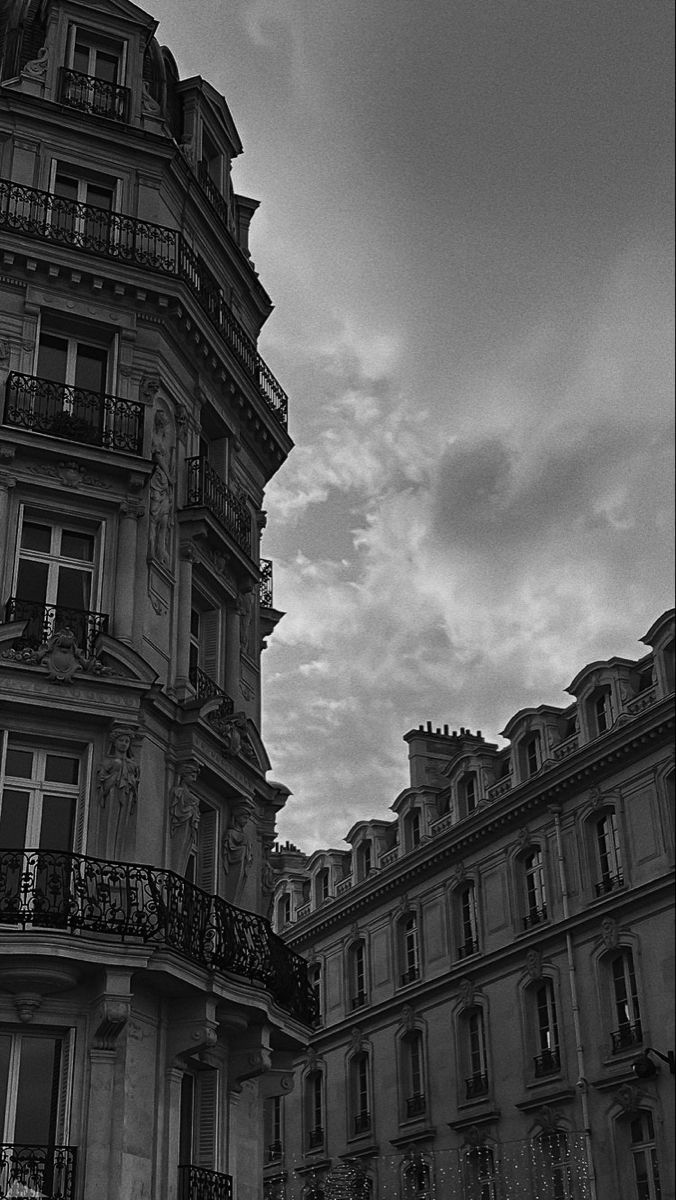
(198, 1183)
(415, 1105)
(359, 1000)
(91, 95)
(207, 689)
(536, 916)
(468, 947)
(547, 1063)
(626, 1036)
(316, 1138)
(42, 215)
(275, 1151)
(206, 489)
(609, 883)
(61, 411)
(410, 976)
(44, 620)
(215, 197)
(47, 889)
(43, 1172)
(476, 1085)
(362, 1122)
(265, 585)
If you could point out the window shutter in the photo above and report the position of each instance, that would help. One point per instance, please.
(64, 1098)
(82, 813)
(206, 1118)
(209, 644)
(206, 850)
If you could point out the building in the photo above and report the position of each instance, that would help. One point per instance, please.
(145, 1005)
(495, 965)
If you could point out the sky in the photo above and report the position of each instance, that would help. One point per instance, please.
(466, 228)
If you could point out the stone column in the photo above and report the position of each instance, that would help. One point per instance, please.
(185, 561)
(127, 544)
(232, 651)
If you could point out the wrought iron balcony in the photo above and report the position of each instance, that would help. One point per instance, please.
(44, 1172)
(469, 946)
(536, 916)
(362, 1122)
(627, 1036)
(42, 215)
(206, 489)
(46, 889)
(316, 1138)
(198, 1183)
(475, 1086)
(215, 197)
(609, 883)
(91, 95)
(547, 1063)
(265, 585)
(207, 689)
(415, 1105)
(61, 411)
(44, 620)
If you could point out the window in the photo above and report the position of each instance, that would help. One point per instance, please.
(33, 1091)
(364, 861)
(628, 1031)
(92, 82)
(476, 1083)
(205, 655)
(89, 227)
(284, 910)
(55, 583)
(198, 1125)
(414, 829)
(359, 1084)
(315, 1110)
(469, 792)
(609, 854)
(417, 1179)
(408, 931)
(601, 712)
(315, 977)
(412, 1073)
(536, 896)
(322, 881)
(39, 798)
(548, 1059)
(480, 1174)
(532, 757)
(555, 1175)
(358, 974)
(646, 1176)
(468, 932)
(272, 1117)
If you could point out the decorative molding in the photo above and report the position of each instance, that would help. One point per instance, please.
(534, 963)
(70, 474)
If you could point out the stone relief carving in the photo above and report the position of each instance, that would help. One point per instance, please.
(162, 487)
(466, 992)
(70, 474)
(534, 964)
(237, 853)
(184, 814)
(629, 1099)
(37, 67)
(610, 933)
(61, 657)
(117, 784)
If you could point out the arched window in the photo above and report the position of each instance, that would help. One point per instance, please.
(608, 853)
(412, 1073)
(480, 1174)
(547, 1060)
(624, 992)
(467, 922)
(646, 1175)
(473, 1050)
(535, 889)
(314, 1101)
(357, 974)
(360, 1093)
(409, 949)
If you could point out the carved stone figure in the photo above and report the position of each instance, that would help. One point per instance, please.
(117, 781)
(37, 67)
(609, 932)
(184, 815)
(162, 483)
(237, 855)
(62, 656)
(534, 964)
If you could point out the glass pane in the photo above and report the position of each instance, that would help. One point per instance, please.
(56, 830)
(106, 66)
(52, 357)
(36, 537)
(90, 368)
(81, 58)
(77, 545)
(74, 588)
(36, 1094)
(100, 196)
(19, 763)
(31, 581)
(62, 768)
(65, 187)
(13, 819)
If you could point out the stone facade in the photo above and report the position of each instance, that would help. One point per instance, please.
(145, 1005)
(493, 964)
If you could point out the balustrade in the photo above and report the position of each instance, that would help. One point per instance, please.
(61, 411)
(44, 620)
(547, 1063)
(626, 1036)
(43, 1172)
(89, 94)
(198, 1183)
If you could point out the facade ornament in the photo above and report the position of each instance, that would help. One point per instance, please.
(149, 105)
(459, 873)
(117, 784)
(61, 656)
(26, 1005)
(237, 852)
(311, 1059)
(466, 992)
(404, 905)
(356, 1039)
(261, 520)
(610, 934)
(268, 884)
(534, 963)
(548, 1118)
(162, 482)
(523, 838)
(37, 67)
(629, 1098)
(69, 474)
(474, 1137)
(246, 691)
(408, 1018)
(148, 388)
(184, 814)
(354, 932)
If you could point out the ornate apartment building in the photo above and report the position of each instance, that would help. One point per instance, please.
(494, 966)
(146, 1007)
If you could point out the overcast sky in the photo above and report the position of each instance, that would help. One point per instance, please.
(465, 225)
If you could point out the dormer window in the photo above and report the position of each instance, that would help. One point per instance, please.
(602, 712)
(92, 80)
(322, 886)
(364, 861)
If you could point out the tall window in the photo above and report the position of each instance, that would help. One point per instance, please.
(315, 1111)
(470, 794)
(321, 886)
(532, 756)
(413, 829)
(412, 1054)
(548, 1057)
(199, 1118)
(56, 576)
(536, 895)
(480, 1174)
(359, 1071)
(625, 998)
(554, 1169)
(364, 860)
(476, 1083)
(90, 226)
(609, 854)
(205, 665)
(468, 942)
(284, 910)
(96, 71)
(644, 1158)
(33, 1066)
(408, 931)
(358, 974)
(417, 1179)
(39, 798)
(272, 1116)
(601, 712)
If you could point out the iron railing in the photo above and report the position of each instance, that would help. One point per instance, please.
(359, 1000)
(316, 1137)
(410, 976)
(265, 586)
(91, 95)
(93, 418)
(58, 890)
(198, 1183)
(469, 946)
(547, 1063)
(609, 883)
(42, 215)
(476, 1085)
(536, 916)
(44, 620)
(206, 489)
(415, 1105)
(47, 1172)
(626, 1036)
(362, 1122)
(275, 1151)
(214, 196)
(207, 689)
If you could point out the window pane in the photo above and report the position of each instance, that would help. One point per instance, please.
(31, 581)
(13, 818)
(65, 187)
(81, 58)
(36, 537)
(52, 356)
(77, 545)
(36, 1093)
(62, 768)
(19, 763)
(100, 195)
(106, 66)
(90, 368)
(56, 830)
(74, 588)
